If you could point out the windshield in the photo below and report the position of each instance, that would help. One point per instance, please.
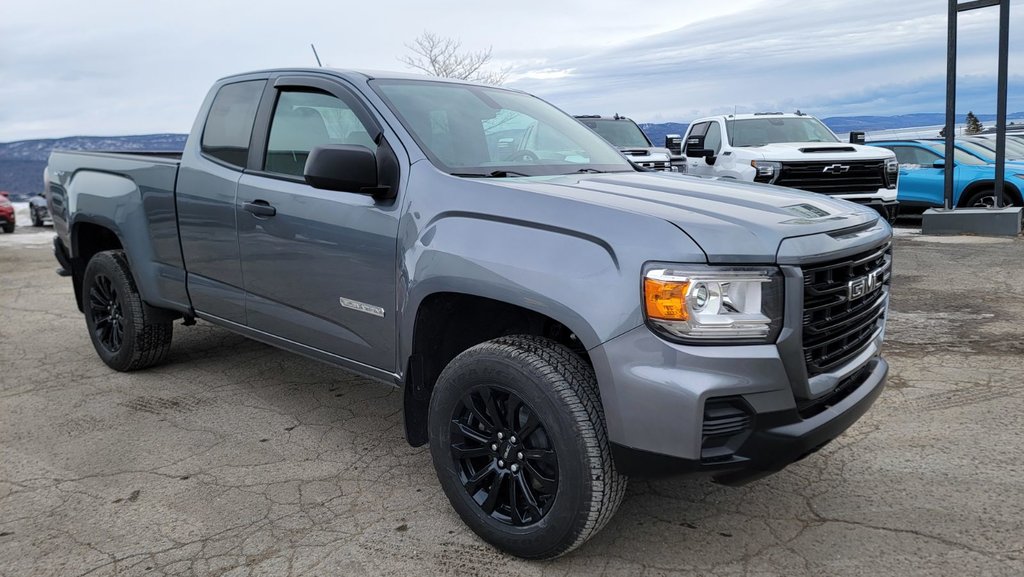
(761, 131)
(977, 150)
(960, 156)
(1014, 150)
(622, 133)
(470, 130)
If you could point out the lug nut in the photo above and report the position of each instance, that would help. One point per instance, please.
(501, 435)
(494, 446)
(501, 463)
(512, 439)
(515, 467)
(519, 456)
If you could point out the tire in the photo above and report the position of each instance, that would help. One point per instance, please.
(124, 338)
(564, 462)
(8, 227)
(986, 197)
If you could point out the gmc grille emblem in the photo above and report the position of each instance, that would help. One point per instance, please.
(865, 285)
(836, 169)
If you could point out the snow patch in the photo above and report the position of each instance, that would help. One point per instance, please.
(21, 214)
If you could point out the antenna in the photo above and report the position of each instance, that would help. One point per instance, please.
(313, 46)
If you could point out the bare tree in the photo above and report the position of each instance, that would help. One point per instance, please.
(444, 57)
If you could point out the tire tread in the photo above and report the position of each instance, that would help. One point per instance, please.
(575, 385)
(152, 340)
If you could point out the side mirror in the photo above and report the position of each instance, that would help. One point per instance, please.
(940, 163)
(695, 149)
(674, 143)
(857, 137)
(345, 168)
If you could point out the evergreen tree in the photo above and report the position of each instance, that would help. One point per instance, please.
(974, 126)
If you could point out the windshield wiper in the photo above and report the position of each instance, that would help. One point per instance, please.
(495, 174)
(590, 171)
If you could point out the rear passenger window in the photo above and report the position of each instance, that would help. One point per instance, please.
(305, 120)
(229, 123)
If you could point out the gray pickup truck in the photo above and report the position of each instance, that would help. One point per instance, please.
(557, 319)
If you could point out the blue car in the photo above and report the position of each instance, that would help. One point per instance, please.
(922, 173)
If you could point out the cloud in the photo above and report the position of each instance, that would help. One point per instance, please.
(122, 66)
(828, 58)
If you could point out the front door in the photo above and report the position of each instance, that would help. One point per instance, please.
(921, 182)
(319, 266)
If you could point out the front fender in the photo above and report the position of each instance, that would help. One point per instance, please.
(571, 260)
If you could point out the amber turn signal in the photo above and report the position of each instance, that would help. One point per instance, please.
(666, 300)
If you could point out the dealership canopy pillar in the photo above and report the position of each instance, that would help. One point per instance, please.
(994, 220)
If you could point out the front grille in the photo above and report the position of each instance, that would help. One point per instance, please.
(844, 177)
(839, 320)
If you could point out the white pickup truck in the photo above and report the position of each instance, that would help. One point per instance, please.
(794, 150)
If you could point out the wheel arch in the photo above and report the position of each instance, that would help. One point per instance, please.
(447, 323)
(87, 239)
(978, 185)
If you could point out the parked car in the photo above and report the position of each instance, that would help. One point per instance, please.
(38, 210)
(794, 150)
(922, 176)
(557, 322)
(625, 135)
(7, 217)
(1014, 147)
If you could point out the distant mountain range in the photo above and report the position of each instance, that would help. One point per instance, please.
(22, 162)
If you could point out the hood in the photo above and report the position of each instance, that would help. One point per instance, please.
(732, 221)
(823, 151)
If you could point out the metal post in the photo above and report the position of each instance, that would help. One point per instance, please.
(951, 21)
(1004, 49)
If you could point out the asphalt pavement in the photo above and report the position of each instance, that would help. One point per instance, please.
(234, 458)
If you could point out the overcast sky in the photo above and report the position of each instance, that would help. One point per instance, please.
(111, 67)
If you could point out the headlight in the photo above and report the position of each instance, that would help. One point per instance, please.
(892, 166)
(1020, 176)
(767, 170)
(709, 304)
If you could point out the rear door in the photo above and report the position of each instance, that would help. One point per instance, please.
(205, 199)
(321, 270)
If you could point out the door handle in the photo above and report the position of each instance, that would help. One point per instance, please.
(260, 208)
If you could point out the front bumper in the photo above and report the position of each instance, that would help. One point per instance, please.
(735, 412)
(776, 439)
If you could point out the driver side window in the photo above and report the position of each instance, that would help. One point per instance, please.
(914, 157)
(713, 140)
(305, 120)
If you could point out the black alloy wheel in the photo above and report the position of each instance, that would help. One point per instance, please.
(107, 315)
(518, 441)
(127, 334)
(505, 459)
